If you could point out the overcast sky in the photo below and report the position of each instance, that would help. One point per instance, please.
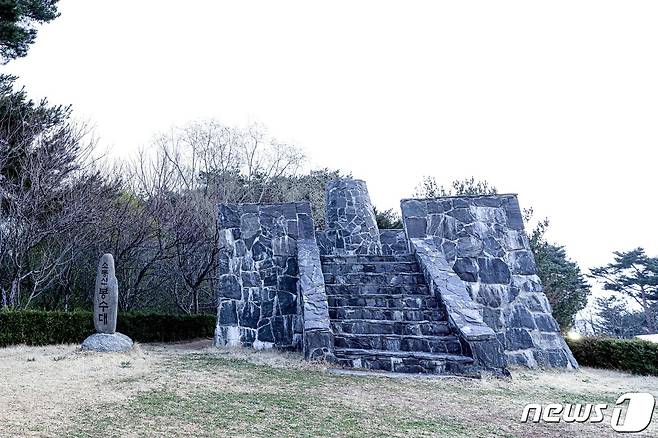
(556, 101)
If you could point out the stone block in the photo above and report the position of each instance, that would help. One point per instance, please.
(318, 345)
(462, 215)
(266, 308)
(493, 295)
(521, 317)
(305, 226)
(469, 246)
(229, 216)
(527, 283)
(524, 358)
(513, 240)
(249, 226)
(251, 279)
(287, 303)
(265, 332)
(107, 343)
(493, 201)
(513, 213)
(416, 227)
(438, 206)
(493, 271)
(293, 229)
(466, 268)
(287, 283)
(546, 323)
(492, 248)
(518, 339)
(249, 315)
(414, 208)
(227, 314)
(282, 330)
(230, 287)
(522, 262)
(284, 246)
(555, 358)
(449, 250)
(493, 318)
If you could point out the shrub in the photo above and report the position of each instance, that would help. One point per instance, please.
(632, 355)
(155, 327)
(35, 327)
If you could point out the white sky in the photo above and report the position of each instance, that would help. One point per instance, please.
(556, 101)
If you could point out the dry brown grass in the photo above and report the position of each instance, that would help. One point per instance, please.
(43, 387)
(189, 389)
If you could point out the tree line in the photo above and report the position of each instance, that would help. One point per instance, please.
(62, 207)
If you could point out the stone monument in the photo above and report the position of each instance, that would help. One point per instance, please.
(106, 301)
(455, 291)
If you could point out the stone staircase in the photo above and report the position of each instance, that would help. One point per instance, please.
(384, 318)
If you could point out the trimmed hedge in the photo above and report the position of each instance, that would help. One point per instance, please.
(154, 327)
(35, 327)
(632, 355)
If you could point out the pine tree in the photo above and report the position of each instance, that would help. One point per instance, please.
(17, 19)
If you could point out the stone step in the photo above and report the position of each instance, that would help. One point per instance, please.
(367, 258)
(370, 289)
(380, 327)
(408, 362)
(375, 267)
(386, 314)
(391, 301)
(430, 344)
(375, 279)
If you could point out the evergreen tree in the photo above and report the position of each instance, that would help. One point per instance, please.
(388, 219)
(635, 274)
(22, 123)
(564, 284)
(17, 19)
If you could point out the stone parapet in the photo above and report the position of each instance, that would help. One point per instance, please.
(318, 337)
(350, 219)
(463, 313)
(483, 241)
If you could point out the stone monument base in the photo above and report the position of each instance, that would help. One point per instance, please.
(105, 342)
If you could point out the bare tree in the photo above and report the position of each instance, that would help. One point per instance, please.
(201, 165)
(156, 214)
(48, 204)
(429, 188)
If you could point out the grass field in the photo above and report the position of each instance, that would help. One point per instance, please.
(190, 390)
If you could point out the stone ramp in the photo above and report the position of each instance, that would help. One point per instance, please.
(384, 318)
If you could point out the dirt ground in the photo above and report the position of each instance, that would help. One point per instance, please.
(191, 389)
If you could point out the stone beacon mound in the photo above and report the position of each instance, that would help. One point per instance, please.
(454, 292)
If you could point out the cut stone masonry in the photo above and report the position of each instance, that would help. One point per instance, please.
(454, 292)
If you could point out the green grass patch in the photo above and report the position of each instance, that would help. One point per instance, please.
(265, 401)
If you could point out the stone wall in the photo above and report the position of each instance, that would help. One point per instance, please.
(394, 242)
(269, 296)
(482, 238)
(473, 251)
(463, 313)
(318, 339)
(351, 227)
